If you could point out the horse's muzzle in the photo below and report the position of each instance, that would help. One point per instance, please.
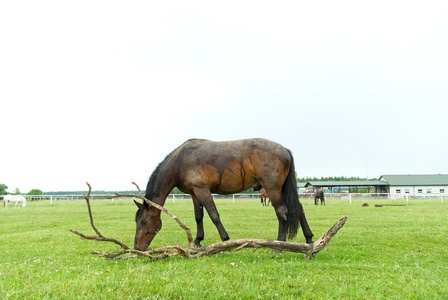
(145, 248)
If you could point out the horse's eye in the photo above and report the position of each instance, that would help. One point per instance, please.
(144, 221)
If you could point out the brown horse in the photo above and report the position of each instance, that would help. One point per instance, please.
(263, 196)
(319, 195)
(201, 167)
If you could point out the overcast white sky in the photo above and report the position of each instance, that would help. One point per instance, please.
(102, 91)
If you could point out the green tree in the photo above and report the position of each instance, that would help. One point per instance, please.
(3, 188)
(333, 178)
(35, 192)
(16, 192)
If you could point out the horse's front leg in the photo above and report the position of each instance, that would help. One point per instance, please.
(206, 199)
(199, 216)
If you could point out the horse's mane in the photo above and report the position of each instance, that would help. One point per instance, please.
(155, 180)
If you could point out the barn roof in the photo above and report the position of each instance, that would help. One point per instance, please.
(411, 180)
(389, 180)
(301, 184)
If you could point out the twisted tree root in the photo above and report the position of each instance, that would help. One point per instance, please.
(310, 250)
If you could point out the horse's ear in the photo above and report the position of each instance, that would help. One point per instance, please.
(138, 204)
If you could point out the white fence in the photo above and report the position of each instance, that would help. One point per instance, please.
(377, 196)
(333, 196)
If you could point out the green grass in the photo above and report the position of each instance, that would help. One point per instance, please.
(392, 252)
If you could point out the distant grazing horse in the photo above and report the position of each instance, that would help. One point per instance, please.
(201, 167)
(263, 196)
(319, 195)
(14, 198)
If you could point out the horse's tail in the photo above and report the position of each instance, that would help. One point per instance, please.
(4, 201)
(291, 200)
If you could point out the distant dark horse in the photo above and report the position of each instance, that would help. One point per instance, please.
(201, 167)
(319, 195)
(263, 196)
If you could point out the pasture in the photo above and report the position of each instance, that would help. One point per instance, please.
(392, 252)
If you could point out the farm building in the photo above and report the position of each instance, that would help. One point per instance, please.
(366, 186)
(416, 184)
(413, 185)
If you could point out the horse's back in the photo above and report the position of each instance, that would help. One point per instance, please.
(16, 198)
(235, 145)
(205, 151)
(229, 166)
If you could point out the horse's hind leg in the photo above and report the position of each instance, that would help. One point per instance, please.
(304, 224)
(199, 216)
(206, 200)
(282, 213)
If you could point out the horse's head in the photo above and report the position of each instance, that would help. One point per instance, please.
(148, 224)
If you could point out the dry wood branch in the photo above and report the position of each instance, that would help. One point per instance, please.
(138, 188)
(181, 224)
(310, 250)
(99, 236)
(87, 197)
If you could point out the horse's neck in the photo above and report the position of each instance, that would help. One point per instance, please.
(160, 185)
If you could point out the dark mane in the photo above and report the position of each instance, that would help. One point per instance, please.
(155, 180)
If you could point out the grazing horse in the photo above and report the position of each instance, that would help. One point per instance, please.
(263, 196)
(14, 198)
(319, 195)
(201, 167)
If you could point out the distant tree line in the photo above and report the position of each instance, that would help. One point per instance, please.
(333, 178)
(4, 187)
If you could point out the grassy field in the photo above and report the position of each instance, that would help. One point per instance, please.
(392, 252)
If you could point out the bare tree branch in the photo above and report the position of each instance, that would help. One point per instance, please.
(87, 197)
(310, 250)
(181, 224)
(138, 188)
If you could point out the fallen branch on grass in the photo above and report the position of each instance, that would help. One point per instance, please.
(310, 250)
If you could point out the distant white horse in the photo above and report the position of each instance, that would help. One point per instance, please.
(14, 198)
